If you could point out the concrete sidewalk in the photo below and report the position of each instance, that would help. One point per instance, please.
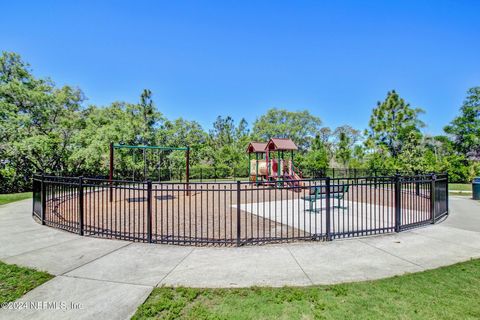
(110, 278)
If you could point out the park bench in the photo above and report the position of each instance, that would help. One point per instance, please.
(320, 192)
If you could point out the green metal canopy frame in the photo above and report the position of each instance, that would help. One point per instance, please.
(143, 147)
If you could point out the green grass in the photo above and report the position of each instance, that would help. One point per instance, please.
(11, 197)
(446, 293)
(15, 281)
(460, 186)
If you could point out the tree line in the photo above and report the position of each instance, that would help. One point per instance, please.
(50, 129)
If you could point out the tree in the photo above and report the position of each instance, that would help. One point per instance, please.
(380, 160)
(351, 134)
(37, 122)
(392, 123)
(324, 134)
(358, 157)
(410, 159)
(120, 122)
(346, 137)
(223, 132)
(300, 126)
(150, 116)
(317, 157)
(100, 127)
(344, 152)
(46, 128)
(465, 129)
(182, 133)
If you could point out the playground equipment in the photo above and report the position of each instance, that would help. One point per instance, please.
(144, 149)
(266, 169)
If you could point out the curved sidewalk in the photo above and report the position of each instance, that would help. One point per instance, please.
(92, 271)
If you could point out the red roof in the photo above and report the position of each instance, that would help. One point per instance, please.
(256, 147)
(281, 144)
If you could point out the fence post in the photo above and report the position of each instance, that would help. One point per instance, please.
(238, 213)
(327, 218)
(446, 194)
(149, 211)
(417, 184)
(80, 206)
(43, 199)
(110, 175)
(398, 205)
(432, 198)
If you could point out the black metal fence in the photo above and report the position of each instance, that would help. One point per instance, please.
(224, 172)
(238, 213)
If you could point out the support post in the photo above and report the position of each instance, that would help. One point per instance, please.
(149, 211)
(144, 165)
(256, 168)
(446, 194)
(417, 184)
(110, 175)
(43, 199)
(249, 167)
(398, 205)
(80, 206)
(267, 156)
(432, 198)
(279, 168)
(328, 210)
(238, 213)
(187, 170)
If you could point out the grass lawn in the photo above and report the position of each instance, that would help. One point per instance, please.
(460, 186)
(446, 293)
(15, 281)
(11, 197)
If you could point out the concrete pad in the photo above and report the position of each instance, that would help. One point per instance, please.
(13, 224)
(65, 256)
(24, 205)
(465, 214)
(346, 216)
(92, 300)
(450, 234)
(18, 226)
(237, 267)
(347, 261)
(138, 263)
(21, 242)
(17, 218)
(427, 252)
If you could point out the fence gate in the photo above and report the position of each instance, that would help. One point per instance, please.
(421, 200)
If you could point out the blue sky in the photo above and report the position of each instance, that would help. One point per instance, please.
(207, 58)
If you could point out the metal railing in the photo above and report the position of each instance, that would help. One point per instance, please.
(239, 213)
(224, 172)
